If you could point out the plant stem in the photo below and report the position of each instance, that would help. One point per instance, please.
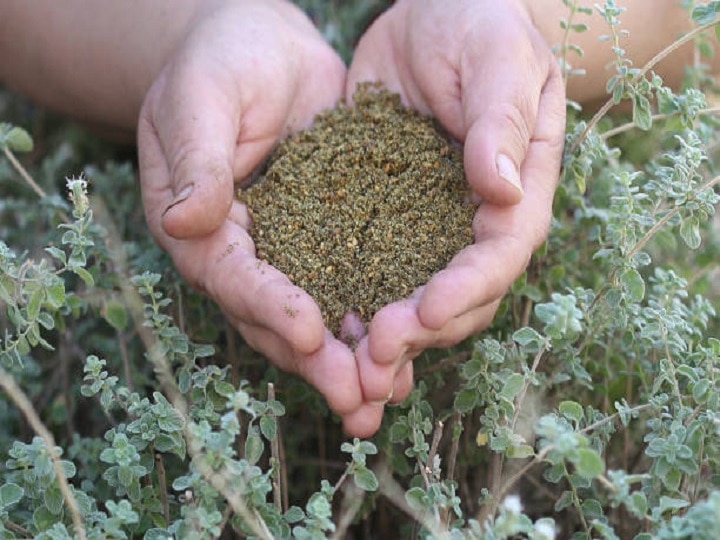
(162, 484)
(667, 217)
(23, 172)
(454, 446)
(639, 75)
(521, 396)
(275, 456)
(631, 125)
(437, 435)
(22, 402)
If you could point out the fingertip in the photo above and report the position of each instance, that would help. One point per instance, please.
(352, 329)
(365, 421)
(200, 207)
(332, 370)
(494, 175)
(389, 329)
(302, 324)
(510, 172)
(434, 310)
(307, 339)
(376, 379)
(403, 384)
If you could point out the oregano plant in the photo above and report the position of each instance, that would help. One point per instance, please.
(589, 409)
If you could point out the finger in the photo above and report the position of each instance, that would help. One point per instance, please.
(500, 109)
(370, 60)
(331, 369)
(478, 275)
(154, 176)
(397, 334)
(365, 421)
(376, 378)
(352, 329)
(257, 293)
(223, 265)
(197, 125)
(403, 384)
(505, 236)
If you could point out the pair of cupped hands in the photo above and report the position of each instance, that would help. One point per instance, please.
(249, 72)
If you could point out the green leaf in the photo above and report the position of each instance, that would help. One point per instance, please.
(642, 116)
(671, 504)
(690, 232)
(56, 294)
(365, 479)
(638, 503)
(319, 507)
(53, 499)
(528, 338)
(184, 380)
(633, 285)
(170, 422)
(294, 514)
(466, 399)
(592, 508)
(254, 447)
(18, 140)
(203, 351)
(43, 519)
(115, 314)
(268, 427)
(572, 411)
(416, 498)
(565, 500)
(224, 388)
(35, 303)
(125, 475)
(703, 14)
(10, 494)
(366, 447)
(671, 479)
(701, 390)
(83, 274)
(157, 534)
(521, 451)
(513, 385)
(588, 463)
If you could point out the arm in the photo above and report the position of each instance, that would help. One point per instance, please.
(93, 61)
(651, 26)
(96, 61)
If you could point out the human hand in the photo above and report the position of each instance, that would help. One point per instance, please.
(246, 73)
(482, 69)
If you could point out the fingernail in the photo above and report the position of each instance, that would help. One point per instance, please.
(180, 197)
(508, 171)
(399, 359)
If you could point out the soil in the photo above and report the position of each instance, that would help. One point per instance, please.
(363, 207)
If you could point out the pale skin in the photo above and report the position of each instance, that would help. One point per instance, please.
(209, 88)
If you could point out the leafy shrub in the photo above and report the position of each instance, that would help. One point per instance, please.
(590, 408)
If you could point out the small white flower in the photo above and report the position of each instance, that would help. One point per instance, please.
(544, 530)
(512, 504)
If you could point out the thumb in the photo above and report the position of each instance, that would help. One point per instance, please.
(500, 109)
(197, 126)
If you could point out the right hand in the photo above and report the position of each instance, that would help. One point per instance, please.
(246, 73)
(482, 69)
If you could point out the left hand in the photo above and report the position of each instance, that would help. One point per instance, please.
(246, 73)
(484, 71)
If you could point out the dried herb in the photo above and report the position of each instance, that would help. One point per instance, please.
(363, 207)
